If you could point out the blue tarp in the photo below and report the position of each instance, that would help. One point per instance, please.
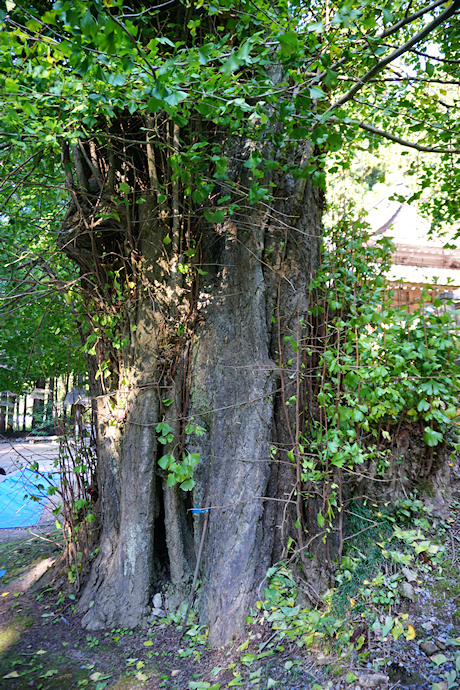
(2, 572)
(15, 509)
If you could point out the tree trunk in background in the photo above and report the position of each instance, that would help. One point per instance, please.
(15, 413)
(24, 414)
(38, 408)
(49, 411)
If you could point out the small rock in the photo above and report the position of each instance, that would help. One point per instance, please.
(409, 575)
(429, 648)
(157, 613)
(407, 590)
(157, 601)
(373, 680)
(255, 636)
(427, 626)
(324, 659)
(440, 642)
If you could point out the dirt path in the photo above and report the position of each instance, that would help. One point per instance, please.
(15, 455)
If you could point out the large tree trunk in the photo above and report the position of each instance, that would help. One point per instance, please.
(218, 346)
(239, 385)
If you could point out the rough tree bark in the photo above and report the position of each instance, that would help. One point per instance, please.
(229, 373)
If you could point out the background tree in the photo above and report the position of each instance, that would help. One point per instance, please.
(41, 328)
(193, 141)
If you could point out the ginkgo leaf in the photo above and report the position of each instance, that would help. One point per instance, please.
(411, 634)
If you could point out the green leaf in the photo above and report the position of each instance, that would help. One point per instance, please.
(187, 485)
(176, 97)
(87, 21)
(125, 188)
(289, 43)
(317, 92)
(316, 27)
(439, 659)
(165, 461)
(232, 64)
(432, 437)
(215, 216)
(351, 677)
(117, 79)
(389, 622)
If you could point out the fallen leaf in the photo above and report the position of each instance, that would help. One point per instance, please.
(175, 672)
(141, 676)
(148, 643)
(439, 659)
(411, 634)
(13, 674)
(5, 594)
(95, 676)
(41, 651)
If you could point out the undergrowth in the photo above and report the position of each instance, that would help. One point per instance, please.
(366, 601)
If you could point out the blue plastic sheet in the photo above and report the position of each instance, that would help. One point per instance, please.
(2, 572)
(16, 510)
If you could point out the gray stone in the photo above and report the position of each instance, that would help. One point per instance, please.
(440, 642)
(373, 680)
(157, 601)
(407, 590)
(409, 575)
(429, 648)
(157, 613)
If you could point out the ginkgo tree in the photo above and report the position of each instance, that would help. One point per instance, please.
(192, 140)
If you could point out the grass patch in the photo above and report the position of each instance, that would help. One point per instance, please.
(16, 557)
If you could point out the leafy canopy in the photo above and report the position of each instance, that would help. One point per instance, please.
(322, 72)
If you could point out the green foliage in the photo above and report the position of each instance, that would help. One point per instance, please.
(85, 63)
(378, 366)
(179, 472)
(366, 594)
(39, 336)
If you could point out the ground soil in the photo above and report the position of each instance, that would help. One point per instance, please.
(44, 646)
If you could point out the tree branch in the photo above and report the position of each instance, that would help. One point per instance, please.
(392, 137)
(411, 18)
(448, 61)
(429, 28)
